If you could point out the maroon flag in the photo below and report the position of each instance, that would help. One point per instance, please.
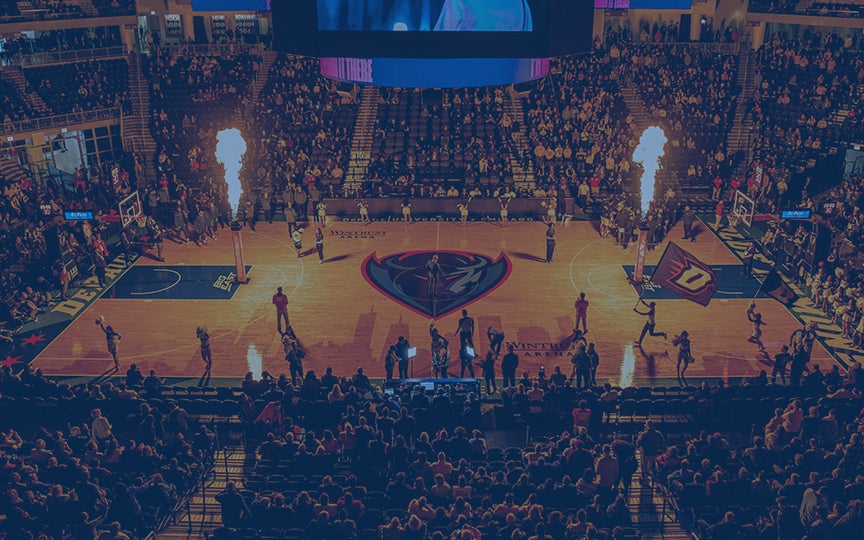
(682, 274)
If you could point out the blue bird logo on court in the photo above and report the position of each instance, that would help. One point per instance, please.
(436, 288)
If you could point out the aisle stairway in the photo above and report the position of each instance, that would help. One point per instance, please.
(523, 177)
(136, 126)
(12, 171)
(15, 75)
(652, 515)
(88, 8)
(364, 133)
(739, 134)
(202, 515)
(267, 59)
(637, 108)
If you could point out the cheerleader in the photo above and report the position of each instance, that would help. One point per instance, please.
(297, 237)
(406, 211)
(463, 211)
(756, 320)
(505, 203)
(322, 213)
(112, 340)
(550, 207)
(364, 210)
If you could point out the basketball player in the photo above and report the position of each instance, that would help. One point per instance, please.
(364, 210)
(433, 274)
(505, 204)
(297, 237)
(581, 306)
(649, 324)
(684, 356)
(756, 320)
(206, 353)
(747, 258)
(550, 241)
(319, 244)
(406, 211)
(112, 340)
(280, 300)
(156, 237)
(322, 214)
(465, 331)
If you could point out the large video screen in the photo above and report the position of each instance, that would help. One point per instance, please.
(425, 16)
(433, 28)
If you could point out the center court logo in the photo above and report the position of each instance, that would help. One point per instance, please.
(465, 278)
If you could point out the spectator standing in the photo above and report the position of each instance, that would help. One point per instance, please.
(650, 443)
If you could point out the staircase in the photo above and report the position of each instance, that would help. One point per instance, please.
(267, 59)
(637, 108)
(88, 8)
(136, 126)
(804, 5)
(739, 134)
(201, 514)
(364, 133)
(15, 75)
(523, 176)
(652, 515)
(13, 172)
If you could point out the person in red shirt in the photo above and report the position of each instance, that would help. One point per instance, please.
(735, 184)
(280, 300)
(581, 306)
(718, 188)
(99, 245)
(718, 215)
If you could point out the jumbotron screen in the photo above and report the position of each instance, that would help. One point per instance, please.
(425, 16)
(433, 28)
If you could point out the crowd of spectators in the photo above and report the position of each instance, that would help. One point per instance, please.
(70, 39)
(192, 97)
(33, 279)
(801, 85)
(300, 135)
(13, 107)
(107, 463)
(28, 10)
(338, 458)
(835, 8)
(691, 93)
(430, 140)
(578, 127)
(82, 86)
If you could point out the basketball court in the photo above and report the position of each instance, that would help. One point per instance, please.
(371, 289)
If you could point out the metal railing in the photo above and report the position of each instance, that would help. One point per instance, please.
(216, 49)
(60, 120)
(40, 58)
(38, 14)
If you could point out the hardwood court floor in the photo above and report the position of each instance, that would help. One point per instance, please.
(345, 323)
